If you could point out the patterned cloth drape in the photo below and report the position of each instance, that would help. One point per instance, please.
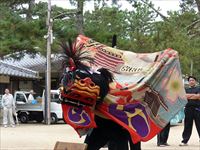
(147, 91)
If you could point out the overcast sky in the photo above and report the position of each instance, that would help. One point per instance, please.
(165, 5)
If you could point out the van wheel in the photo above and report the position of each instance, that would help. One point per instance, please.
(23, 117)
(54, 118)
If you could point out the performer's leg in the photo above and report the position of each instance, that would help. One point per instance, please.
(136, 146)
(98, 137)
(197, 121)
(158, 139)
(166, 133)
(118, 139)
(96, 140)
(161, 137)
(121, 144)
(188, 123)
(88, 135)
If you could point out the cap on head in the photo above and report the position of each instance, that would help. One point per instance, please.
(31, 91)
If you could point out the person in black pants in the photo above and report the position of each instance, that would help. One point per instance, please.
(136, 146)
(192, 110)
(106, 131)
(111, 133)
(162, 137)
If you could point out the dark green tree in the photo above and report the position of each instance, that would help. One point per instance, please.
(17, 33)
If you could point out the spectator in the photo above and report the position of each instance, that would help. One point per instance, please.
(192, 110)
(8, 107)
(31, 97)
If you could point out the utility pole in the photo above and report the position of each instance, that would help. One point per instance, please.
(114, 41)
(191, 67)
(47, 116)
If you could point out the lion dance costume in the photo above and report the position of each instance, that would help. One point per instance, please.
(139, 92)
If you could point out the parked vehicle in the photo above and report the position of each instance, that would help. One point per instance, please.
(56, 108)
(33, 110)
(178, 118)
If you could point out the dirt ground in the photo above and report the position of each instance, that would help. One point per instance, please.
(34, 136)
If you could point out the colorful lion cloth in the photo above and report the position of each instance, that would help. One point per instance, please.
(146, 93)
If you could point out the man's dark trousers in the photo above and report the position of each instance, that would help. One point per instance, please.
(191, 113)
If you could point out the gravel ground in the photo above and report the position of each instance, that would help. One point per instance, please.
(34, 136)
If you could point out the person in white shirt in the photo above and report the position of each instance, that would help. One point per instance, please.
(8, 104)
(30, 97)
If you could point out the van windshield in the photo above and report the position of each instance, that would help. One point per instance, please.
(54, 97)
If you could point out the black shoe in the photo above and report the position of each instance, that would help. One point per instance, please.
(166, 144)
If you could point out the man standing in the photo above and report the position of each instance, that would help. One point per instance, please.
(192, 110)
(30, 97)
(8, 106)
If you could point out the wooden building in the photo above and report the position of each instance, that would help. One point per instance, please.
(36, 63)
(15, 77)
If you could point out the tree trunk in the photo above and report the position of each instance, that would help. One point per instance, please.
(30, 9)
(198, 5)
(79, 16)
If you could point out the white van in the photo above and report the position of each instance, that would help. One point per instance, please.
(55, 105)
(27, 111)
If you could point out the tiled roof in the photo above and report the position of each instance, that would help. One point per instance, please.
(13, 70)
(36, 62)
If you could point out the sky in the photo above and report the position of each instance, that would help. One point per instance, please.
(165, 5)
